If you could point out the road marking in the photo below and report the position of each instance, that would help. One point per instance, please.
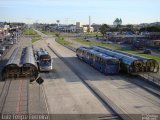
(45, 99)
(18, 108)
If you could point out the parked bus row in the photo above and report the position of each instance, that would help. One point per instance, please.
(111, 61)
(103, 63)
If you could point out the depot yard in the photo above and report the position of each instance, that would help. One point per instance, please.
(112, 46)
(81, 89)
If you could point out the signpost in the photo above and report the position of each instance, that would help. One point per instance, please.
(39, 81)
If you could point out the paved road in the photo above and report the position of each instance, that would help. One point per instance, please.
(66, 94)
(129, 97)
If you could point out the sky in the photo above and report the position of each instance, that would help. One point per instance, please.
(72, 11)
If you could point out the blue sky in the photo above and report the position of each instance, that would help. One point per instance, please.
(70, 11)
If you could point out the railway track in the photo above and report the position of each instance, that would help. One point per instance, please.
(153, 81)
(118, 112)
(4, 93)
(14, 97)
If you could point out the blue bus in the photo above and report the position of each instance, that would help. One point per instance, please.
(103, 63)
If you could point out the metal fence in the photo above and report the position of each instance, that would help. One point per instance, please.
(151, 78)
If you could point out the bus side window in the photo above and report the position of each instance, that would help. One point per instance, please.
(98, 60)
(82, 52)
(94, 57)
(103, 61)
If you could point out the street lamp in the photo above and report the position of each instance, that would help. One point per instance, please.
(58, 21)
(28, 24)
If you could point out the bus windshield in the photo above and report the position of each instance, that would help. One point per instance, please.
(45, 63)
(45, 57)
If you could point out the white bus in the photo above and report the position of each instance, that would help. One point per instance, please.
(44, 60)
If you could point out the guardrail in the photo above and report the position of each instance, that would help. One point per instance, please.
(67, 46)
(151, 78)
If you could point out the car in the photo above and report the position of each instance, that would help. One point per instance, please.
(1, 39)
(7, 47)
(2, 49)
(147, 51)
(10, 42)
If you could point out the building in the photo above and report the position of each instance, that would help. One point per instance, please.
(153, 43)
(78, 24)
(96, 27)
(86, 28)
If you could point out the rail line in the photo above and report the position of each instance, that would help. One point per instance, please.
(154, 81)
(4, 94)
(118, 112)
(8, 91)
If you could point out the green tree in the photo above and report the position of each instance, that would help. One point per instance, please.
(104, 28)
(57, 35)
(150, 29)
(129, 26)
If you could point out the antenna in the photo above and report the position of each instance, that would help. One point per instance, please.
(89, 21)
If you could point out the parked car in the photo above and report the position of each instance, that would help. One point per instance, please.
(1, 40)
(147, 51)
(10, 42)
(7, 47)
(2, 49)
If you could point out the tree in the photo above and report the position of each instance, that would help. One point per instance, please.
(129, 26)
(150, 29)
(104, 28)
(57, 35)
(117, 22)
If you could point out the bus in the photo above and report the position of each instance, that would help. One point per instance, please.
(44, 60)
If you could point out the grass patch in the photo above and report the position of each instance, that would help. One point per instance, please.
(62, 41)
(115, 47)
(29, 31)
(141, 54)
(85, 42)
(48, 32)
(91, 34)
(34, 39)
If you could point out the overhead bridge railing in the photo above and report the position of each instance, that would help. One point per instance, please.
(21, 64)
(151, 78)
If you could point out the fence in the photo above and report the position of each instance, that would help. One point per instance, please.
(151, 78)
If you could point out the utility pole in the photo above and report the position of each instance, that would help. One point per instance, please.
(67, 27)
(58, 21)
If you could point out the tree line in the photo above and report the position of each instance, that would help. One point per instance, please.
(128, 28)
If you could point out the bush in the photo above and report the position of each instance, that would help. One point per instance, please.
(57, 35)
